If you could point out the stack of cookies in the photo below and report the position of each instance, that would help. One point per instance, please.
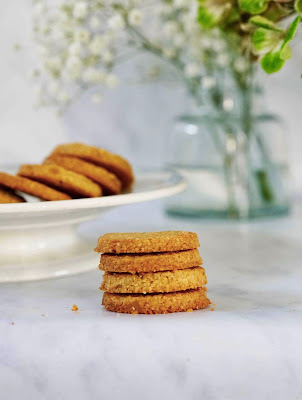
(152, 273)
(72, 170)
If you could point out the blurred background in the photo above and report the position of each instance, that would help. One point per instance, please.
(133, 119)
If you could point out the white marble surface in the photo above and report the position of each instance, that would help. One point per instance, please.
(248, 348)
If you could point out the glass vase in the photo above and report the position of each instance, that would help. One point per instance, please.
(230, 174)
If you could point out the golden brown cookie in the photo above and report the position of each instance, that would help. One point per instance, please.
(147, 242)
(8, 196)
(154, 282)
(31, 187)
(150, 262)
(60, 178)
(108, 181)
(156, 303)
(112, 162)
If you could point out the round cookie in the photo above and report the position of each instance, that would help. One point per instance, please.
(154, 282)
(156, 303)
(31, 187)
(8, 196)
(108, 181)
(147, 242)
(70, 182)
(150, 262)
(112, 162)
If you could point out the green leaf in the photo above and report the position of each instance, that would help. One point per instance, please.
(298, 6)
(254, 6)
(212, 13)
(292, 30)
(285, 52)
(264, 23)
(265, 41)
(206, 18)
(272, 62)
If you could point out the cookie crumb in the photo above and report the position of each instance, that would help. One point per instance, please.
(74, 308)
(43, 315)
(213, 309)
(12, 323)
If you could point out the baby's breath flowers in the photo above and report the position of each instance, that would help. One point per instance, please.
(80, 43)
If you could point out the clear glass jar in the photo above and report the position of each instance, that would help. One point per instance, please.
(230, 174)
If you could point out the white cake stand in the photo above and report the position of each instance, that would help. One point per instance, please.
(40, 240)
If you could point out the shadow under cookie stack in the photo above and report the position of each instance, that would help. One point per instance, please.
(152, 273)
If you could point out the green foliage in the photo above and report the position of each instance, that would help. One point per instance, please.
(298, 6)
(255, 22)
(254, 6)
(265, 23)
(276, 46)
(212, 13)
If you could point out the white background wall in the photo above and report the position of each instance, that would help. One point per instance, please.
(133, 119)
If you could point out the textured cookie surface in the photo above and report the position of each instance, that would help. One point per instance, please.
(156, 303)
(112, 162)
(53, 175)
(150, 262)
(108, 181)
(8, 196)
(31, 187)
(154, 282)
(147, 242)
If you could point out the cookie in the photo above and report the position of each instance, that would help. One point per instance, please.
(154, 282)
(150, 262)
(112, 162)
(60, 178)
(108, 181)
(156, 303)
(31, 187)
(8, 196)
(147, 242)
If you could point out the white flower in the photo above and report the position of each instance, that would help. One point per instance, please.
(135, 17)
(111, 81)
(218, 45)
(192, 70)
(179, 39)
(39, 9)
(63, 97)
(38, 90)
(43, 51)
(73, 68)
(169, 52)
(57, 34)
(180, 3)
(116, 22)
(75, 49)
(92, 75)
(54, 88)
(97, 45)
(165, 9)
(241, 65)
(206, 43)
(53, 64)
(170, 28)
(82, 36)
(80, 10)
(222, 60)
(97, 98)
(94, 22)
(44, 27)
(107, 56)
(208, 82)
